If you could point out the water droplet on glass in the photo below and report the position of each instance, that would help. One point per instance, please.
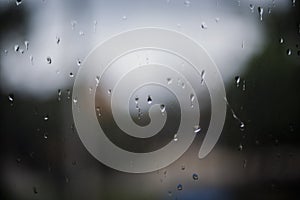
(57, 40)
(109, 91)
(31, 59)
(269, 10)
(260, 12)
(197, 129)
(34, 190)
(293, 3)
(169, 193)
(81, 33)
(73, 24)
(195, 177)
(98, 111)
(169, 81)
(16, 48)
(5, 51)
(281, 40)
(21, 51)
(242, 126)
(202, 74)
(244, 85)
(26, 43)
(175, 138)
(46, 118)
(95, 25)
(11, 98)
(97, 79)
(79, 62)
(289, 52)
(187, 3)
(192, 97)
(46, 135)
(75, 100)
(179, 187)
(49, 60)
(149, 100)
(240, 147)
(162, 108)
(68, 93)
(244, 163)
(59, 94)
(18, 2)
(237, 81)
(217, 19)
(252, 8)
(71, 75)
(203, 25)
(124, 17)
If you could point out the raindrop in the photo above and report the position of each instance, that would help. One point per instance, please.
(79, 62)
(49, 60)
(136, 99)
(21, 51)
(11, 98)
(18, 2)
(182, 167)
(59, 94)
(109, 91)
(16, 48)
(289, 52)
(260, 11)
(97, 79)
(169, 81)
(34, 190)
(202, 74)
(31, 59)
(169, 193)
(237, 81)
(71, 75)
(179, 187)
(124, 17)
(81, 33)
(252, 8)
(73, 24)
(68, 93)
(75, 100)
(95, 25)
(98, 111)
(244, 85)
(269, 10)
(149, 100)
(203, 25)
(197, 129)
(244, 163)
(46, 117)
(217, 19)
(187, 3)
(195, 177)
(281, 40)
(57, 40)
(192, 97)
(162, 108)
(175, 138)
(240, 147)
(242, 126)
(46, 135)
(26, 43)
(294, 3)
(5, 51)
(243, 44)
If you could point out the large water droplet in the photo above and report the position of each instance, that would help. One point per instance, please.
(179, 187)
(18, 2)
(149, 100)
(197, 129)
(204, 25)
(71, 75)
(16, 48)
(195, 176)
(281, 40)
(260, 12)
(237, 81)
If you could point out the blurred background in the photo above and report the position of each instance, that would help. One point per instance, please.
(255, 44)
